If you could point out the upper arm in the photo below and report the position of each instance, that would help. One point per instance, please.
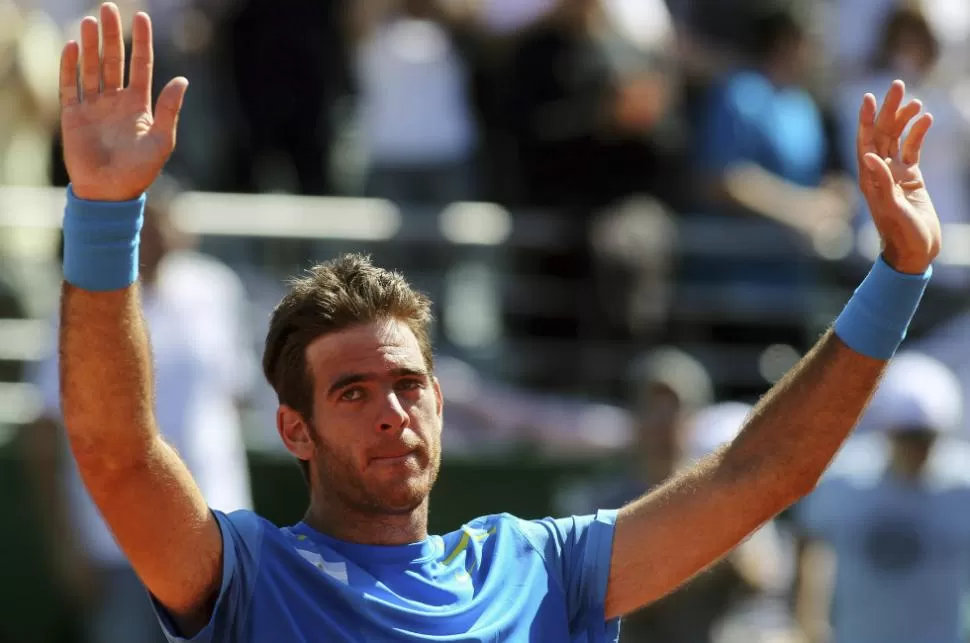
(666, 537)
(163, 525)
(577, 550)
(142, 489)
(242, 534)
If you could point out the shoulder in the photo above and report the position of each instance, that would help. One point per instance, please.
(246, 526)
(253, 544)
(255, 534)
(547, 537)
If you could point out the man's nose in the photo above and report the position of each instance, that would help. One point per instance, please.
(393, 416)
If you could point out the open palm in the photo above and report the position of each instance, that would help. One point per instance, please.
(890, 180)
(114, 147)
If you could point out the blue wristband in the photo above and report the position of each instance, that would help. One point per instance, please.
(875, 321)
(101, 242)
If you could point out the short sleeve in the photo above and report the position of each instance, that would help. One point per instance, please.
(723, 137)
(241, 539)
(577, 551)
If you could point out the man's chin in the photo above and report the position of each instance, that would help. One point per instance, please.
(403, 496)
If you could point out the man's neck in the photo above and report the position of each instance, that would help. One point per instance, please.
(369, 527)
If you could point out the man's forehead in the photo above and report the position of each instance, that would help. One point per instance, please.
(390, 344)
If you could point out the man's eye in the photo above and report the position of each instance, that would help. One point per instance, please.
(409, 385)
(351, 395)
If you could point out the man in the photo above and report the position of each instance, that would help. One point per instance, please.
(894, 508)
(193, 306)
(349, 355)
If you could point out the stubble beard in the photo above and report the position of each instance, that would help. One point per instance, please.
(347, 487)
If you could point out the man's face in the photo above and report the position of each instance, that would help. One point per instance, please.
(377, 419)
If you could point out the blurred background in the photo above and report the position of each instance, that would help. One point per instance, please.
(634, 216)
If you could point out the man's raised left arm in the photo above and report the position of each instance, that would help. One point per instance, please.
(666, 537)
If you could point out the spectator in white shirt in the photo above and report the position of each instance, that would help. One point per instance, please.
(894, 509)
(418, 126)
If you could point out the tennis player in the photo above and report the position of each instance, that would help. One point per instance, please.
(349, 356)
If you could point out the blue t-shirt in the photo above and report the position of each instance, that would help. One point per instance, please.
(497, 579)
(902, 550)
(751, 120)
(748, 119)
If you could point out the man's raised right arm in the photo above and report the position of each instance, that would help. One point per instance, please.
(114, 148)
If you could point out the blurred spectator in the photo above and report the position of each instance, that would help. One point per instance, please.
(506, 17)
(908, 49)
(290, 68)
(743, 597)
(762, 146)
(854, 29)
(894, 508)
(203, 367)
(762, 161)
(711, 34)
(189, 42)
(30, 45)
(589, 104)
(852, 32)
(418, 128)
(633, 248)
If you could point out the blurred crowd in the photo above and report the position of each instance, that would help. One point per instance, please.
(627, 119)
(631, 121)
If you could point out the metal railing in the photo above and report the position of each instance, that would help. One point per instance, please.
(445, 251)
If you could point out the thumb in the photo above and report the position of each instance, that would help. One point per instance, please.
(167, 109)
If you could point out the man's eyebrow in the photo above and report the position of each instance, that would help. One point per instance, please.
(348, 379)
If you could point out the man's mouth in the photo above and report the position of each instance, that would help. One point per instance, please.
(399, 457)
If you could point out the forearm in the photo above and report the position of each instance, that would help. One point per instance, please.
(798, 426)
(760, 192)
(106, 380)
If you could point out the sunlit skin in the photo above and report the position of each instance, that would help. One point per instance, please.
(374, 443)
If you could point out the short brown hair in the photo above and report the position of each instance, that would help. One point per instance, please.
(331, 297)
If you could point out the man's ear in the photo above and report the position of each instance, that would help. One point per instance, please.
(295, 432)
(439, 396)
